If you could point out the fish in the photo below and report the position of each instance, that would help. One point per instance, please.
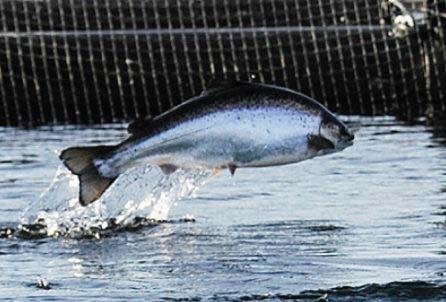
(230, 125)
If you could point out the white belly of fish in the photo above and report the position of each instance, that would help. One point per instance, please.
(240, 137)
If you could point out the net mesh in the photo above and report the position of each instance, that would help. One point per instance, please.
(99, 61)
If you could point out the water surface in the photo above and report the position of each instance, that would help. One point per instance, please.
(364, 224)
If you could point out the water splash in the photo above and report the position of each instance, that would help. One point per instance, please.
(144, 192)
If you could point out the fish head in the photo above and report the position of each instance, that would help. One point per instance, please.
(335, 131)
(332, 135)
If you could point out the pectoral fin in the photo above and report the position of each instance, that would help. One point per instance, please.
(318, 142)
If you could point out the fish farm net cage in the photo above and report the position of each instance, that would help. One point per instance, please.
(102, 61)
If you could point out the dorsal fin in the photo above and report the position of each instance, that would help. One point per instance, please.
(213, 88)
(139, 125)
(216, 86)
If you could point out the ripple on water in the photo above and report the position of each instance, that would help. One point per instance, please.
(366, 217)
(390, 292)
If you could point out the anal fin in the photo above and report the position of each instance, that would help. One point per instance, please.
(168, 168)
(232, 168)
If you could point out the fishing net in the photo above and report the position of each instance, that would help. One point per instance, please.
(100, 61)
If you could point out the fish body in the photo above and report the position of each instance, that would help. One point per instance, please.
(231, 125)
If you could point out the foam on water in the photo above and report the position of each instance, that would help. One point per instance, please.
(144, 192)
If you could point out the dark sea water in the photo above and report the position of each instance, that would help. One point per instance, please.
(365, 224)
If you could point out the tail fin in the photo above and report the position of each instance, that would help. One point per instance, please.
(79, 160)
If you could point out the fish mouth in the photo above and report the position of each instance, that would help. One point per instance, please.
(347, 135)
(345, 143)
(346, 140)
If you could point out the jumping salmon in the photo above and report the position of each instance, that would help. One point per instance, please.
(230, 125)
